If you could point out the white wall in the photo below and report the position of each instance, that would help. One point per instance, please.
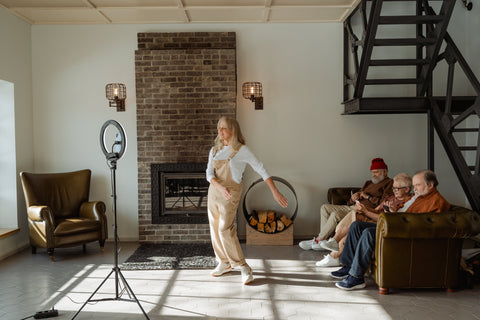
(16, 71)
(300, 135)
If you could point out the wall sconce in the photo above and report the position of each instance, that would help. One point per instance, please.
(253, 92)
(116, 95)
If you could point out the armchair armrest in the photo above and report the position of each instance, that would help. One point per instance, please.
(40, 214)
(94, 210)
(451, 224)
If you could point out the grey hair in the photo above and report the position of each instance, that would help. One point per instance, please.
(404, 179)
(429, 176)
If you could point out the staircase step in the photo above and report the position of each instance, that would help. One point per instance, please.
(404, 41)
(410, 19)
(398, 62)
(465, 130)
(468, 148)
(386, 105)
(392, 81)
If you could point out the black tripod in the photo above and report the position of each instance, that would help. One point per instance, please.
(112, 158)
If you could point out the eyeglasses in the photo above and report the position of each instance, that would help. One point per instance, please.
(399, 188)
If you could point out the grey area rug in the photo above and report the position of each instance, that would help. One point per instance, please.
(171, 256)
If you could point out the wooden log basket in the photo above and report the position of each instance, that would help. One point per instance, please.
(269, 221)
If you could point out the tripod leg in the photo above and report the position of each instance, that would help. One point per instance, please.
(133, 294)
(89, 298)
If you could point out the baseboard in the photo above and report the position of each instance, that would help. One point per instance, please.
(14, 251)
(124, 239)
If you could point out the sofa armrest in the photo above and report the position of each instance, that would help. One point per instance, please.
(40, 214)
(94, 210)
(340, 195)
(450, 224)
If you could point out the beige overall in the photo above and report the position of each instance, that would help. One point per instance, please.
(222, 213)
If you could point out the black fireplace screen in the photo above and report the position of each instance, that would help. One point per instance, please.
(184, 193)
(179, 193)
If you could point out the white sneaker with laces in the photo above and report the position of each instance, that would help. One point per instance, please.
(221, 268)
(331, 244)
(307, 244)
(247, 275)
(328, 261)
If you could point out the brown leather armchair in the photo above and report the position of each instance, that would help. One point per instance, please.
(417, 250)
(59, 213)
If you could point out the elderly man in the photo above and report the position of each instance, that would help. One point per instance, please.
(360, 241)
(372, 193)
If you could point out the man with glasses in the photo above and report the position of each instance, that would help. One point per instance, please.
(360, 241)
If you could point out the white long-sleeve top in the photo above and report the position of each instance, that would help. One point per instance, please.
(237, 164)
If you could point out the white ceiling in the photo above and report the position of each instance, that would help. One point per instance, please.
(178, 11)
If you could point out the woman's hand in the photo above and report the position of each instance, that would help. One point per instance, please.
(280, 198)
(222, 189)
(276, 194)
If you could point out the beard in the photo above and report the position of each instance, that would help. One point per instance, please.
(376, 180)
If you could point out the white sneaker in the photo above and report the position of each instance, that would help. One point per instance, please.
(307, 244)
(331, 244)
(328, 261)
(221, 268)
(247, 275)
(318, 246)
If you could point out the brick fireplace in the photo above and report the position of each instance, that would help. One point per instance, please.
(184, 82)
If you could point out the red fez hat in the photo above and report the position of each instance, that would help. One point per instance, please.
(378, 163)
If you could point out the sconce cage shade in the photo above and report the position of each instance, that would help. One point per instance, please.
(252, 90)
(116, 91)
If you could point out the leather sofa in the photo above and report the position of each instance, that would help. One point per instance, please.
(59, 213)
(418, 250)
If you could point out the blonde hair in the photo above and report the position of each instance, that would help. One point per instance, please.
(237, 139)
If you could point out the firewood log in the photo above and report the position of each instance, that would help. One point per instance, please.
(261, 227)
(262, 217)
(273, 226)
(270, 216)
(286, 221)
(280, 225)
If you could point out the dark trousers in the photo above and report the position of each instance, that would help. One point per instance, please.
(359, 247)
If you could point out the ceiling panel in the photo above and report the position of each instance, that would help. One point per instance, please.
(223, 3)
(43, 3)
(145, 15)
(248, 14)
(313, 2)
(61, 16)
(135, 3)
(306, 14)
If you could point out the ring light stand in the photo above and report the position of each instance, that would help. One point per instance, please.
(117, 150)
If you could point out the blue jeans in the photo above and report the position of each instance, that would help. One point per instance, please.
(359, 247)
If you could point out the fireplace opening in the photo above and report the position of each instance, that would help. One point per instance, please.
(184, 193)
(179, 193)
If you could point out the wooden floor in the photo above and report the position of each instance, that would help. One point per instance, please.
(287, 286)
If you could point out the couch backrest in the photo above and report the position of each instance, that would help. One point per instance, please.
(62, 192)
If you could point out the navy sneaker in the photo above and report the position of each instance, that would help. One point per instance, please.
(351, 283)
(341, 273)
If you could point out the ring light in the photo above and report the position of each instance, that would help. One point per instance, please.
(119, 145)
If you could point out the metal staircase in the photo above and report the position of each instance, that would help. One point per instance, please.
(451, 116)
